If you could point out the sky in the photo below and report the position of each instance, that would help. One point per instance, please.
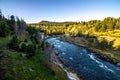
(33, 11)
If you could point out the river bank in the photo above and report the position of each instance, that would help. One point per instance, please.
(104, 55)
(84, 62)
(54, 60)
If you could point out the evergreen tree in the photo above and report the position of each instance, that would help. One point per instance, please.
(14, 43)
(4, 29)
(0, 14)
(23, 47)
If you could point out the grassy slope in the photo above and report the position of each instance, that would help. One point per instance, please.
(15, 67)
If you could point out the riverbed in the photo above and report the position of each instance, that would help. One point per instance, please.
(84, 62)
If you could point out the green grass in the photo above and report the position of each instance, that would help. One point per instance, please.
(13, 66)
(4, 41)
(19, 68)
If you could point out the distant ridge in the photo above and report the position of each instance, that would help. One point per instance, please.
(44, 22)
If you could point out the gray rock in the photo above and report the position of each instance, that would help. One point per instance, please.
(24, 55)
(30, 69)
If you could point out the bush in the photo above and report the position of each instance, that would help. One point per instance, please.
(14, 43)
(31, 48)
(103, 44)
(31, 30)
(34, 39)
(23, 47)
(8, 76)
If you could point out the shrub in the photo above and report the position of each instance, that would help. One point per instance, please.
(14, 43)
(23, 47)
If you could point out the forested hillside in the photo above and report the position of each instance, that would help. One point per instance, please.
(103, 37)
(22, 54)
(106, 30)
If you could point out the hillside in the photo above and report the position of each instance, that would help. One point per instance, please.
(108, 29)
(22, 55)
(101, 36)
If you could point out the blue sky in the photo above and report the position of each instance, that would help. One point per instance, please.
(60, 10)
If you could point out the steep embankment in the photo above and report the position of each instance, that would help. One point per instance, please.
(56, 63)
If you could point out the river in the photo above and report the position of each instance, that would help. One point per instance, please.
(84, 62)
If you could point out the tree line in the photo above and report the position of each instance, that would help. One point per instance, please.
(24, 38)
(77, 28)
(110, 26)
(11, 25)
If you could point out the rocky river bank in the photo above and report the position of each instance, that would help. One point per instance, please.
(84, 62)
(99, 53)
(55, 60)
